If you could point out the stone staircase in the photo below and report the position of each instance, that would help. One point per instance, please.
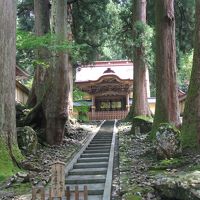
(91, 168)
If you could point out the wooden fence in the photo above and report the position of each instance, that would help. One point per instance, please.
(39, 193)
(107, 115)
(57, 188)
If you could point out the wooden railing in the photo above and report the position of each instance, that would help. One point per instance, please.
(107, 115)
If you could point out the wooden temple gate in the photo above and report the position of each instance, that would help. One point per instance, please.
(107, 115)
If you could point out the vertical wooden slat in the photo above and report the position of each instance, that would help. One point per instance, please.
(76, 193)
(42, 192)
(34, 193)
(85, 192)
(67, 193)
(50, 197)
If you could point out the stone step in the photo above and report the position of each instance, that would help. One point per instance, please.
(91, 155)
(99, 145)
(100, 142)
(90, 197)
(88, 171)
(84, 160)
(97, 148)
(85, 179)
(93, 189)
(102, 137)
(90, 165)
(97, 151)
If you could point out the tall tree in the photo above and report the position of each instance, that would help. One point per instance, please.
(166, 87)
(140, 104)
(49, 95)
(56, 111)
(8, 139)
(191, 119)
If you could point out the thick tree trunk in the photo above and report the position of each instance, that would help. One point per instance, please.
(8, 139)
(56, 111)
(41, 79)
(7, 70)
(167, 110)
(191, 118)
(140, 101)
(51, 85)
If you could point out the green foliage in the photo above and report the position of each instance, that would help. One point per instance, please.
(82, 112)
(91, 22)
(184, 15)
(25, 17)
(27, 44)
(184, 72)
(143, 39)
(28, 40)
(78, 94)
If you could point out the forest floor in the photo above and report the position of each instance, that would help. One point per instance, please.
(18, 187)
(136, 168)
(140, 171)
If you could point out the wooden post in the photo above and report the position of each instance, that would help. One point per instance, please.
(58, 179)
(34, 192)
(50, 198)
(76, 193)
(40, 190)
(67, 193)
(85, 192)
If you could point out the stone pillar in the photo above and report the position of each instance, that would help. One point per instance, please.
(147, 83)
(93, 107)
(127, 103)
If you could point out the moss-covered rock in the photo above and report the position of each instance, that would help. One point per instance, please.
(27, 139)
(168, 143)
(144, 122)
(183, 187)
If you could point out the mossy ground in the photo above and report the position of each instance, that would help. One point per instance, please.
(19, 189)
(7, 167)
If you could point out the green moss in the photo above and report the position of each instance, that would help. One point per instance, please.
(142, 121)
(7, 168)
(20, 188)
(164, 125)
(144, 118)
(154, 172)
(168, 163)
(189, 136)
(130, 196)
(134, 192)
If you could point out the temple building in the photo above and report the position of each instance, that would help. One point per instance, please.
(109, 85)
(21, 91)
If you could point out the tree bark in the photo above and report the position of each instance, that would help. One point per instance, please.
(51, 85)
(140, 101)
(167, 109)
(41, 79)
(8, 137)
(7, 70)
(191, 118)
(56, 111)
